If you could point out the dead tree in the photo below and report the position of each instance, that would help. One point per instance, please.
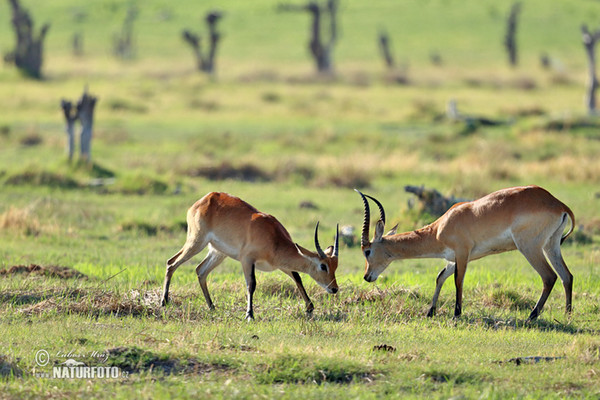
(77, 42)
(384, 46)
(205, 62)
(71, 115)
(589, 43)
(123, 42)
(432, 201)
(85, 109)
(320, 50)
(28, 53)
(511, 32)
(84, 112)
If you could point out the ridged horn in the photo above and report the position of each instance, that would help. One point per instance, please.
(381, 211)
(319, 250)
(364, 239)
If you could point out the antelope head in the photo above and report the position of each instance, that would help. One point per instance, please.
(323, 263)
(375, 252)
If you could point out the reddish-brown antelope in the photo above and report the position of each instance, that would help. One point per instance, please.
(230, 227)
(528, 219)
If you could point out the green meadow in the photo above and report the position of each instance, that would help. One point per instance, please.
(83, 246)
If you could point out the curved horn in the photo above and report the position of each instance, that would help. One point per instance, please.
(319, 250)
(364, 239)
(336, 245)
(381, 211)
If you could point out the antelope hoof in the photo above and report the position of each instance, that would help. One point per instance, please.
(533, 315)
(309, 309)
(249, 316)
(431, 312)
(164, 302)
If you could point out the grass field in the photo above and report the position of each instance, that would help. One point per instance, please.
(270, 131)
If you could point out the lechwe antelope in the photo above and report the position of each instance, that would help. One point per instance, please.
(527, 218)
(233, 228)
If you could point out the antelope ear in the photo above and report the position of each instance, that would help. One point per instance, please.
(329, 251)
(301, 252)
(392, 231)
(378, 231)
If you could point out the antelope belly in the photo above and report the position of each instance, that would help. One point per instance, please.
(498, 244)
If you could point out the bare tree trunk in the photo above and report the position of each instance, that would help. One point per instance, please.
(211, 19)
(71, 115)
(511, 32)
(384, 45)
(321, 51)
(28, 54)
(205, 63)
(589, 43)
(123, 42)
(77, 42)
(85, 109)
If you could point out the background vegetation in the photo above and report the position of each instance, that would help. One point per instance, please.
(267, 129)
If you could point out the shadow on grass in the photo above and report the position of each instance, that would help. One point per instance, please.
(539, 324)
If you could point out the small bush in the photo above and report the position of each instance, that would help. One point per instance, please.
(30, 140)
(9, 368)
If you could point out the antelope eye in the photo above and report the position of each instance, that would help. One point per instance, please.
(367, 253)
(323, 267)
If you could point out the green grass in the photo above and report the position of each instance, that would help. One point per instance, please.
(163, 136)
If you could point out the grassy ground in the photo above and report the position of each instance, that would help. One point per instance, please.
(270, 131)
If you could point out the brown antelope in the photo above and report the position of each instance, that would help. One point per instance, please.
(527, 218)
(233, 228)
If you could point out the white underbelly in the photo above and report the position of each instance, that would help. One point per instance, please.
(499, 244)
(224, 247)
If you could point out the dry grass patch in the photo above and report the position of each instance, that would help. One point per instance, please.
(20, 220)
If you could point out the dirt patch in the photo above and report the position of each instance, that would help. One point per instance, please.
(53, 271)
(245, 173)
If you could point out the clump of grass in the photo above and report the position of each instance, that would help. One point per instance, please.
(587, 350)
(42, 178)
(295, 368)
(455, 377)
(21, 221)
(53, 271)
(150, 229)
(345, 177)
(507, 298)
(141, 184)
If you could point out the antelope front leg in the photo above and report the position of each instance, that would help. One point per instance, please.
(309, 305)
(250, 287)
(444, 274)
(459, 276)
